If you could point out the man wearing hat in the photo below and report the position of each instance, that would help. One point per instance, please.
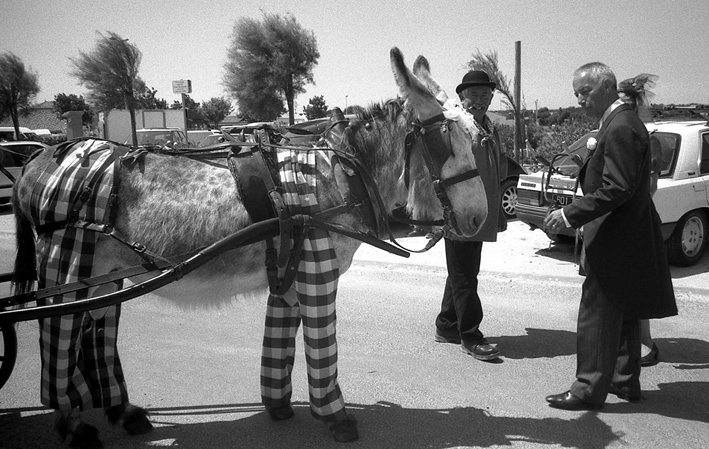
(461, 310)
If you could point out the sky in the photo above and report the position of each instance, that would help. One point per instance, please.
(188, 39)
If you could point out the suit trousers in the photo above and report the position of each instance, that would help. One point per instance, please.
(461, 310)
(607, 345)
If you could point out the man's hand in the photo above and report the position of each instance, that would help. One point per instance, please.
(554, 222)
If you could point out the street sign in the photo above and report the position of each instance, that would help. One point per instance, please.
(182, 86)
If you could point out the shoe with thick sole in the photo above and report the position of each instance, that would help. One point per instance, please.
(481, 350)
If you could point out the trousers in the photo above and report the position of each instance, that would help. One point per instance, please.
(461, 309)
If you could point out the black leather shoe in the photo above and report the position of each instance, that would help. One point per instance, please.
(652, 358)
(446, 338)
(624, 394)
(481, 350)
(567, 401)
(280, 413)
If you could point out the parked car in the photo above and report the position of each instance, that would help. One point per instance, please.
(12, 156)
(210, 140)
(681, 200)
(245, 133)
(196, 136)
(167, 138)
(7, 133)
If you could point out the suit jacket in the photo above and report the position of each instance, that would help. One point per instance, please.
(625, 252)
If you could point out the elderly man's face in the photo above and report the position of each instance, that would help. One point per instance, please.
(476, 100)
(592, 95)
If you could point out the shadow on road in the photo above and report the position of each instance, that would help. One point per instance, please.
(381, 425)
(538, 343)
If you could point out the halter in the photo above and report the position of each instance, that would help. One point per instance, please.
(436, 151)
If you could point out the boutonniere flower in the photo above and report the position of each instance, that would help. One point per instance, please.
(591, 143)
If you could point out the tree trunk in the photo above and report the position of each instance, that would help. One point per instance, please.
(289, 101)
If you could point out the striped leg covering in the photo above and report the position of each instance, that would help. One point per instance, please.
(80, 364)
(316, 289)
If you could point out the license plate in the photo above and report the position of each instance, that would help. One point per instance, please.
(561, 200)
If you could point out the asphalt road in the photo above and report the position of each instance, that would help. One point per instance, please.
(197, 371)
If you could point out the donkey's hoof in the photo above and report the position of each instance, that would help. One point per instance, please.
(135, 419)
(345, 430)
(280, 413)
(85, 437)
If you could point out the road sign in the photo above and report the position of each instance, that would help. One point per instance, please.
(182, 86)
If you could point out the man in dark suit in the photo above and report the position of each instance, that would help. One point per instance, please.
(627, 274)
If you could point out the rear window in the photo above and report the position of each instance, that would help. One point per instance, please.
(668, 144)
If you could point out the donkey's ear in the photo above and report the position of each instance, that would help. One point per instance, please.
(412, 89)
(422, 70)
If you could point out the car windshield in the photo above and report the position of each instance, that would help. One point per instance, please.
(157, 137)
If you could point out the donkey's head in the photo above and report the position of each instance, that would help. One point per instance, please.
(444, 181)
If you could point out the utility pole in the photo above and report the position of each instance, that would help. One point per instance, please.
(518, 96)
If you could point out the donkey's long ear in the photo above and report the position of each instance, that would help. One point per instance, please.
(413, 90)
(423, 71)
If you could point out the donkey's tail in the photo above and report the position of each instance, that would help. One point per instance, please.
(25, 273)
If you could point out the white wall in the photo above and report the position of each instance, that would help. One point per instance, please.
(117, 121)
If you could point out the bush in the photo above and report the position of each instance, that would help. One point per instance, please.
(52, 139)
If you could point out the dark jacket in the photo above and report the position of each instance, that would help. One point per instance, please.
(625, 252)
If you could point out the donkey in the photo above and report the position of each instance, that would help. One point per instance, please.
(176, 205)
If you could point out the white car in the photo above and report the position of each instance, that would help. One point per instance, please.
(12, 156)
(681, 200)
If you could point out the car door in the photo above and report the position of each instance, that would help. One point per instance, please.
(704, 163)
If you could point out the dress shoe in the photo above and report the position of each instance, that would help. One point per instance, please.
(481, 350)
(652, 357)
(280, 413)
(567, 401)
(441, 337)
(624, 394)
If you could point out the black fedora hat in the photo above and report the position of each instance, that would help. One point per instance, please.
(475, 78)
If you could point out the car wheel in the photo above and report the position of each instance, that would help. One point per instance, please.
(508, 195)
(686, 244)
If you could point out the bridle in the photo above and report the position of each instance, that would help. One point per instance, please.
(436, 149)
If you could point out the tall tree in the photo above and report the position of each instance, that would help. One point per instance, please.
(110, 72)
(18, 87)
(65, 103)
(269, 61)
(488, 63)
(215, 109)
(316, 108)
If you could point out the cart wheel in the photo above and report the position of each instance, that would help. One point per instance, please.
(8, 351)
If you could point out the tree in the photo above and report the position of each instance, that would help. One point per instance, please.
(316, 108)
(18, 87)
(190, 104)
(149, 99)
(269, 61)
(488, 64)
(110, 72)
(215, 109)
(64, 103)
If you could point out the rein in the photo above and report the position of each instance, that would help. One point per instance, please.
(434, 162)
